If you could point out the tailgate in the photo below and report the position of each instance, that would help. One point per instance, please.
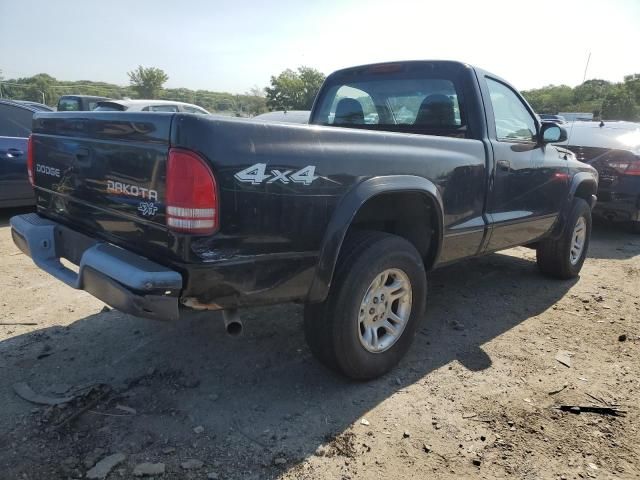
(104, 173)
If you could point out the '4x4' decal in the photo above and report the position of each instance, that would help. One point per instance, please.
(257, 173)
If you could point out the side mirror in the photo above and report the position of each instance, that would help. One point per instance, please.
(552, 133)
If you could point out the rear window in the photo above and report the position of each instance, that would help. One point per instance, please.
(407, 100)
(109, 107)
(68, 105)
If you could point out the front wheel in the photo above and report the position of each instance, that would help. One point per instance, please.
(375, 303)
(563, 257)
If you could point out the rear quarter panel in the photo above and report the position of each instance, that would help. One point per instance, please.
(277, 218)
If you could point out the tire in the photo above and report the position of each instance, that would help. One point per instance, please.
(558, 257)
(341, 334)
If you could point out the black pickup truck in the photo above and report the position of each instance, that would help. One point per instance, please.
(404, 167)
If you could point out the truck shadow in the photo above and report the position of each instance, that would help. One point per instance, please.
(259, 397)
(613, 240)
(7, 213)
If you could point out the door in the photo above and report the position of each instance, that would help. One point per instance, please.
(530, 179)
(15, 127)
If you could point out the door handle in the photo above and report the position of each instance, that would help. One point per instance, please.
(14, 152)
(504, 165)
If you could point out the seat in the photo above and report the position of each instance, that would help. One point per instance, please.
(349, 112)
(436, 111)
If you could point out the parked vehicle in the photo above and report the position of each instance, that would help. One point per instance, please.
(165, 212)
(78, 103)
(286, 116)
(15, 128)
(148, 106)
(613, 148)
(38, 106)
(547, 117)
(576, 116)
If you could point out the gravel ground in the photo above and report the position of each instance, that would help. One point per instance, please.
(471, 400)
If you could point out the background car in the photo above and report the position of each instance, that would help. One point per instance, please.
(15, 128)
(38, 106)
(148, 106)
(612, 148)
(76, 103)
(547, 117)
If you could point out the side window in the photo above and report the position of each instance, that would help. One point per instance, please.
(15, 121)
(514, 123)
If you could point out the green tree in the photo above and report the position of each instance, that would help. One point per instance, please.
(147, 82)
(619, 104)
(294, 90)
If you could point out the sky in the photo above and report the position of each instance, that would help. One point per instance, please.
(235, 45)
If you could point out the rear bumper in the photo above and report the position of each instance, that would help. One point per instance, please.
(122, 279)
(618, 207)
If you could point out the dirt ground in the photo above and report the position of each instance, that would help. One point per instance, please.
(473, 399)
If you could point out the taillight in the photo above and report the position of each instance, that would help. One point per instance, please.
(633, 168)
(30, 164)
(626, 167)
(191, 194)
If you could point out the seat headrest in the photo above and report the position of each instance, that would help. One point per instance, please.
(349, 112)
(436, 111)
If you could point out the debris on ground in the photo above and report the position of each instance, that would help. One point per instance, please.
(192, 464)
(564, 358)
(82, 402)
(92, 458)
(124, 408)
(279, 461)
(343, 444)
(104, 466)
(365, 422)
(25, 392)
(577, 409)
(553, 392)
(199, 429)
(148, 469)
(622, 338)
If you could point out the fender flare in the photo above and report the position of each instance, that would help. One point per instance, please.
(577, 180)
(346, 211)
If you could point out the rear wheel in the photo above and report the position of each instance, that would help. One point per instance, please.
(563, 257)
(376, 300)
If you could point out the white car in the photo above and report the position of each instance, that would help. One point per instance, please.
(148, 106)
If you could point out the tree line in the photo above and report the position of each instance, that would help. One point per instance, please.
(606, 100)
(144, 83)
(296, 90)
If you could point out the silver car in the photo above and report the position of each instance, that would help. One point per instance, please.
(148, 106)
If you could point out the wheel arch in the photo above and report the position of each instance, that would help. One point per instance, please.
(583, 185)
(354, 210)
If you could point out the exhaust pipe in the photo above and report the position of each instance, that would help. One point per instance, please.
(232, 322)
